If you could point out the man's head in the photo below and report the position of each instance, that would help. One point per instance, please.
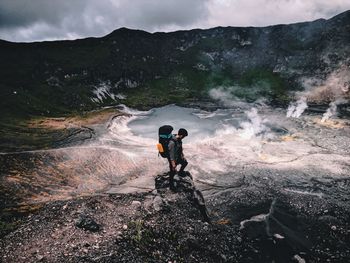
(182, 132)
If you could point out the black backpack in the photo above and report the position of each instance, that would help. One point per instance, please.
(165, 136)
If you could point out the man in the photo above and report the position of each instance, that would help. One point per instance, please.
(176, 156)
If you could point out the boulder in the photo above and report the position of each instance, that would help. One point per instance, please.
(157, 203)
(87, 223)
(136, 204)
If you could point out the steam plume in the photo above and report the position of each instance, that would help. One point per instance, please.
(297, 108)
(332, 110)
(255, 126)
(225, 97)
(336, 86)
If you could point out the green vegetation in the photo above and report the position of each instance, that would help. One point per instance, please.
(179, 87)
(187, 85)
(222, 78)
(260, 83)
(141, 235)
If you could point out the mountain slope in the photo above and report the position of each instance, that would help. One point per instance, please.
(50, 78)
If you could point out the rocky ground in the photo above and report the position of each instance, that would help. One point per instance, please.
(289, 205)
(37, 133)
(246, 224)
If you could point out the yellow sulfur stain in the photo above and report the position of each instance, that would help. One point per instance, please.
(263, 157)
(224, 221)
(331, 123)
(289, 137)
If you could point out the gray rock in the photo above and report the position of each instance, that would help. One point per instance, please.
(157, 203)
(136, 204)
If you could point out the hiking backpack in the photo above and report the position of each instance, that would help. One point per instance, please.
(165, 136)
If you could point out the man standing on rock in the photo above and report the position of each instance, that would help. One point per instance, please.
(176, 156)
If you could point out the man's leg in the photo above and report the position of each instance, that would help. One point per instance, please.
(183, 163)
(172, 173)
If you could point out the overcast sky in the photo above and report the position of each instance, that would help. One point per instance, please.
(37, 20)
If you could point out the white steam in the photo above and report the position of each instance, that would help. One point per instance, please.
(336, 86)
(225, 97)
(332, 110)
(334, 89)
(339, 81)
(297, 108)
(255, 126)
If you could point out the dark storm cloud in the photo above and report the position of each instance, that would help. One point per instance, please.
(14, 13)
(32, 20)
(45, 19)
(179, 12)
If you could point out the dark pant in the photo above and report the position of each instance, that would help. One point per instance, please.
(183, 162)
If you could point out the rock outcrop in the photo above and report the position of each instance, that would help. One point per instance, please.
(252, 223)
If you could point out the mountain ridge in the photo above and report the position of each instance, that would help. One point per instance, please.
(341, 15)
(153, 69)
